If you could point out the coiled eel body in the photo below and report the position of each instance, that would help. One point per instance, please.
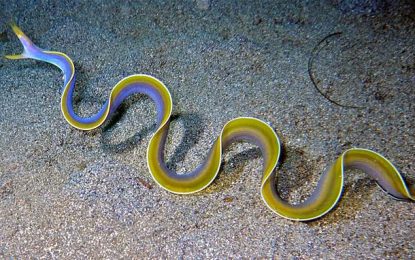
(322, 200)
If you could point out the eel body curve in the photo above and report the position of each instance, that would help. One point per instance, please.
(323, 198)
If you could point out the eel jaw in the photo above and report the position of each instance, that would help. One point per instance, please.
(15, 56)
(28, 47)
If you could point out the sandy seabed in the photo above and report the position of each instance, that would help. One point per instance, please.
(65, 193)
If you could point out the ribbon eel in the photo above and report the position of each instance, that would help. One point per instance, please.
(323, 198)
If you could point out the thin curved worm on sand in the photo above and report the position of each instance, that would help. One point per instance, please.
(316, 50)
(323, 198)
